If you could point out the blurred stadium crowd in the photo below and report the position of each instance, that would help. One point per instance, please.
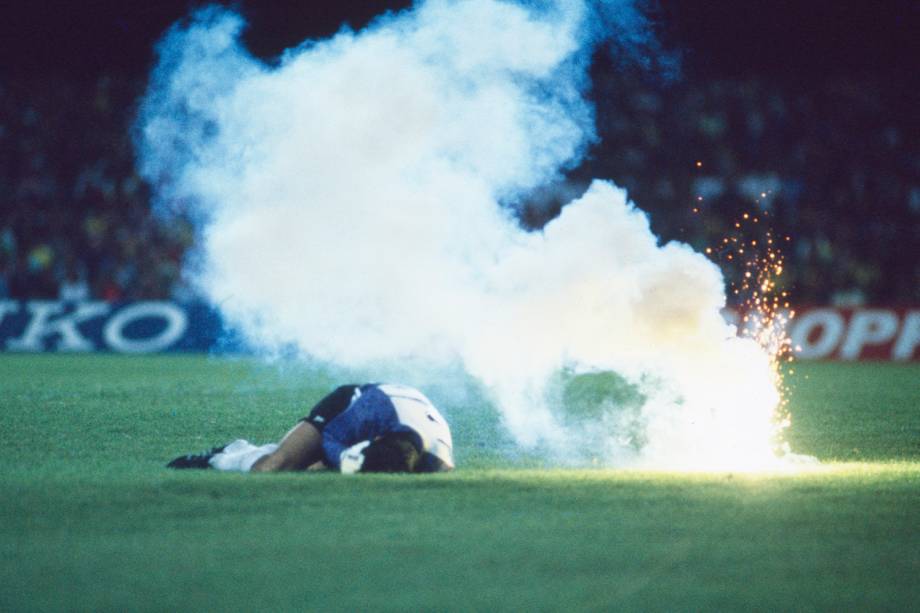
(77, 222)
(835, 165)
(833, 162)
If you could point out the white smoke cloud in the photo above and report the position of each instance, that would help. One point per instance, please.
(351, 204)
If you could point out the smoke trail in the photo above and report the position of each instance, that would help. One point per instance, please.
(351, 201)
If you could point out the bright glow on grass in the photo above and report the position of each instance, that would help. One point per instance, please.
(729, 415)
(824, 472)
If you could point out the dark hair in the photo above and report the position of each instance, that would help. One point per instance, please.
(394, 452)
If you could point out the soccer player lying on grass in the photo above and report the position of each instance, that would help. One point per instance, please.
(356, 428)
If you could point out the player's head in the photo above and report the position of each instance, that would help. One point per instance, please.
(395, 452)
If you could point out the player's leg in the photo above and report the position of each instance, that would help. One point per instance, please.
(300, 447)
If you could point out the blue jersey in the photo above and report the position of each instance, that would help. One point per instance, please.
(375, 410)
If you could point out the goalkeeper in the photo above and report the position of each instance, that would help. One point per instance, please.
(356, 428)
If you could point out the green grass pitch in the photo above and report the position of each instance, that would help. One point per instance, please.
(90, 520)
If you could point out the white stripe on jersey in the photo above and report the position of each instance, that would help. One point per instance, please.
(414, 410)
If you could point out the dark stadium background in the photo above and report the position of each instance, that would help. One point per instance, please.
(813, 102)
